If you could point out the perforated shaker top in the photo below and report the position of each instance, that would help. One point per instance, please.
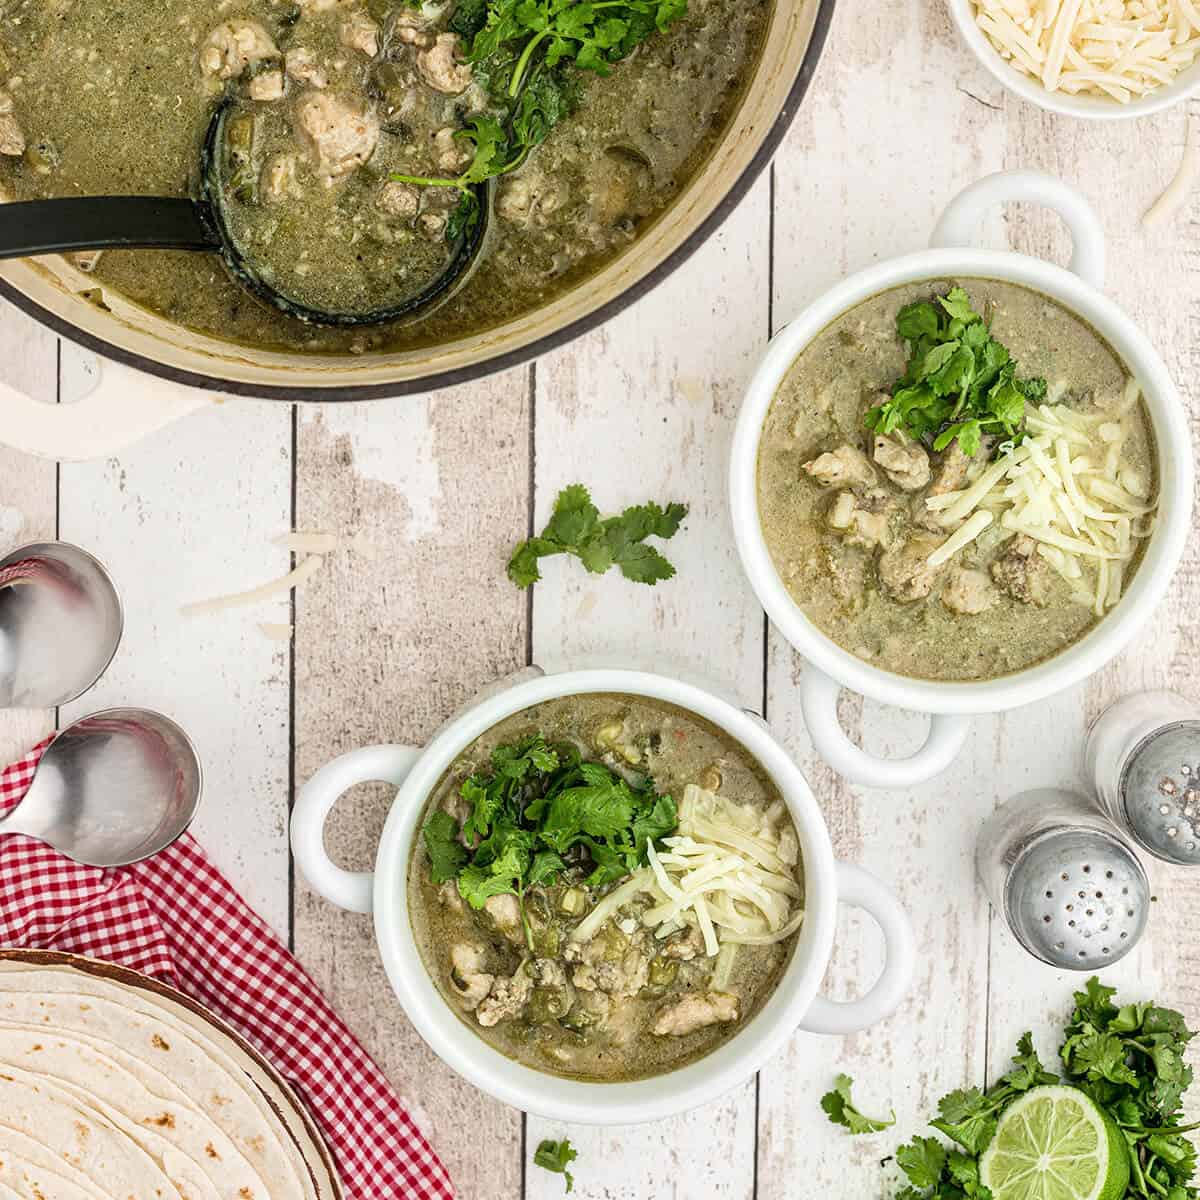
(1078, 898)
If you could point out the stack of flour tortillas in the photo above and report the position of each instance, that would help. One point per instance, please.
(112, 1091)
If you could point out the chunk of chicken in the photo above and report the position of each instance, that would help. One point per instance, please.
(442, 68)
(338, 135)
(412, 29)
(611, 962)
(468, 980)
(843, 467)
(301, 64)
(905, 464)
(505, 914)
(359, 32)
(528, 199)
(695, 1011)
(859, 525)
(1023, 573)
(968, 592)
(451, 152)
(685, 945)
(278, 180)
(507, 999)
(267, 85)
(449, 896)
(397, 199)
(12, 137)
(235, 45)
(951, 470)
(903, 570)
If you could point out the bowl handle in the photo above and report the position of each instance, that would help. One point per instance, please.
(863, 890)
(818, 702)
(960, 222)
(371, 764)
(122, 407)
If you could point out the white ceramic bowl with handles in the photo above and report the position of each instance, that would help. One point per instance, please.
(951, 704)
(793, 1004)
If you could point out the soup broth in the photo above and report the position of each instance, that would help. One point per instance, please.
(594, 992)
(852, 520)
(102, 99)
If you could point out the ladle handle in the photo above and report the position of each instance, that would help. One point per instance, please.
(31, 227)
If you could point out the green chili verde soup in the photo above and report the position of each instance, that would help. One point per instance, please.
(604, 970)
(935, 561)
(339, 96)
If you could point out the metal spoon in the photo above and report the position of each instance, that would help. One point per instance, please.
(112, 789)
(32, 227)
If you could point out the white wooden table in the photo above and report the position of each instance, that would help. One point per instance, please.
(898, 119)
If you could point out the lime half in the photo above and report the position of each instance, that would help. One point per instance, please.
(1055, 1143)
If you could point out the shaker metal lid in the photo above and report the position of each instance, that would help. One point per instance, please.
(1078, 898)
(1159, 791)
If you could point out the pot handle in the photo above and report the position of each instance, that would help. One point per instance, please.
(863, 890)
(960, 222)
(122, 407)
(371, 764)
(818, 702)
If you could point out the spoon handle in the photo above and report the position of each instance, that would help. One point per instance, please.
(32, 227)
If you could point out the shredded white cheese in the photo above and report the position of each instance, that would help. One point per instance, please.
(1086, 518)
(728, 871)
(277, 587)
(1176, 192)
(1118, 49)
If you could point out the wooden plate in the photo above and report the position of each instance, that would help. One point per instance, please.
(293, 1116)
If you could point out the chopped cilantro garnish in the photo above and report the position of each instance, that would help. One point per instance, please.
(960, 383)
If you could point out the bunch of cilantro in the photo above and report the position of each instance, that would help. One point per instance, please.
(577, 528)
(528, 54)
(960, 382)
(537, 813)
(1128, 1058)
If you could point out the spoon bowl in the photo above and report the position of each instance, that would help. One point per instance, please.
(34, 227)
(112, 789)
(60, 624)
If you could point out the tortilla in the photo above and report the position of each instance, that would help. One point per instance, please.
(110, 1081)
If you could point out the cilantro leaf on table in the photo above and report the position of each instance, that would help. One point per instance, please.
(841, 1110)
(576, 527)
(537, 813)
(960, 383)
(556, 1157)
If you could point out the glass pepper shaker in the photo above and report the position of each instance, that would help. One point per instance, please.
(1142, 758)
(1069, 886)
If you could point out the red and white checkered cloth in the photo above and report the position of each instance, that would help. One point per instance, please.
(176, 917)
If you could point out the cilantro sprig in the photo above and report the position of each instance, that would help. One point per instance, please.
(841, 1110)
(537, 812)
(557, 1156)
(960, 382)
(577, 528)
(1128, 1058)
(527, 54)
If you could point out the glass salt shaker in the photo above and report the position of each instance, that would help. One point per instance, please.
(1069, 886)
(1142, 758)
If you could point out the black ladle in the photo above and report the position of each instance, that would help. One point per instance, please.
(32, 227)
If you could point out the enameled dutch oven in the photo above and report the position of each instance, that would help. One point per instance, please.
(794, 1003)
(1077, 290)
(125, 403)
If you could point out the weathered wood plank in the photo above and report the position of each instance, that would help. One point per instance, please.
(1154, 276)
(28, 486)
(182, 516)
(387, 647)
(643, 409)
(844, 200)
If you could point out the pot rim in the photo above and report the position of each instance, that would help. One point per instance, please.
(500, 362)
(595, 1103)
(1163, 552)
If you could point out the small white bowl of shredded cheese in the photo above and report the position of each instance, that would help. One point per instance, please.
(1098, 59)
